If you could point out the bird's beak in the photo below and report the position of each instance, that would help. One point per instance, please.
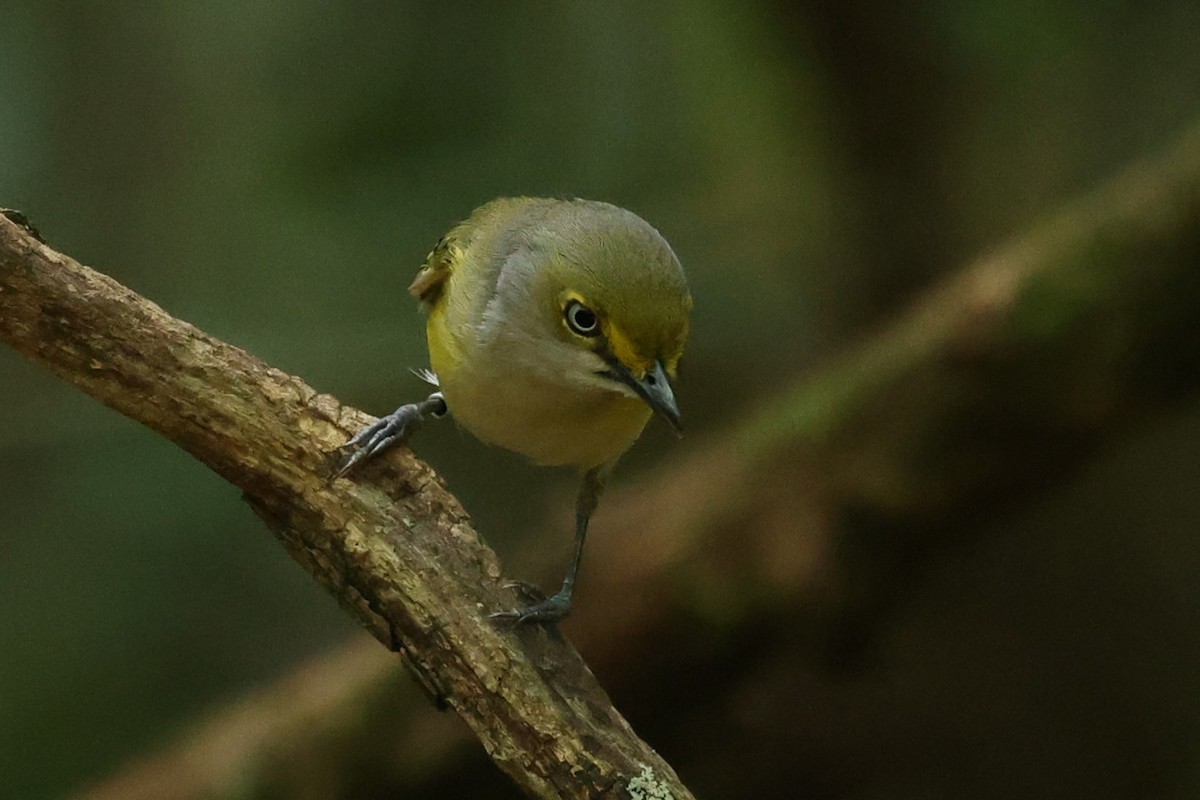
(655, 389)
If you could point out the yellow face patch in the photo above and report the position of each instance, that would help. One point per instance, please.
(624, 350)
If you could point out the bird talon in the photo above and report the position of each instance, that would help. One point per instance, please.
(526, 591)
(505, 618)
(548, 611)
(395, 428)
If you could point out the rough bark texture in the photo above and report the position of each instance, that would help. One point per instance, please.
(393, 545)
(815, 511)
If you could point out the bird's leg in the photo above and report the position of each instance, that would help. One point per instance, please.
(555, 607)
(387, 431)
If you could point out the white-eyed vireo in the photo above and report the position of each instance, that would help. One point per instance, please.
(555, 328)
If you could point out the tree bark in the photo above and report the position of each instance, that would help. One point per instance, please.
(393, 545)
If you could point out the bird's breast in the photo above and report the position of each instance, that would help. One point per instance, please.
(548, 423)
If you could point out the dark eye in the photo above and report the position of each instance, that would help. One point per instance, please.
(581, 319)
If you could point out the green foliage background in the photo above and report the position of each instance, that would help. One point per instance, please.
(275, 172)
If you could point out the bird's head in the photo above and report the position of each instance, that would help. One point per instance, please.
(606, 290)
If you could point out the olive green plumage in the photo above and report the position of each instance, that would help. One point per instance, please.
(555, 328)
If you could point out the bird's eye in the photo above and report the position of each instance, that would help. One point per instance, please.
(581, 319)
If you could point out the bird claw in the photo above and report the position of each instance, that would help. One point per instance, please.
(526, 591)
(385, 432)
(550, 610)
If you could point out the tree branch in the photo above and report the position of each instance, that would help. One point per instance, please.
(393, 545)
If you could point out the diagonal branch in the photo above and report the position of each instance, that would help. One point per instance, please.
(394, 546)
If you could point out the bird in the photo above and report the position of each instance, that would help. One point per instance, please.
(555, 329)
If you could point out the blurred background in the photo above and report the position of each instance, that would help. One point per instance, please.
(275, 173)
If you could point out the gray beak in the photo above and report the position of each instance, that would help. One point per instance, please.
(655, 389)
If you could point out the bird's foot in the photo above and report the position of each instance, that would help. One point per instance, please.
(550, 609)
(387, 431)
(529, 592)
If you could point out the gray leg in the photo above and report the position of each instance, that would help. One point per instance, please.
(387, 431)
(557, 606)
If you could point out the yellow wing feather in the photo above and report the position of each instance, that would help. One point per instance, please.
(431, 278)
(432, 286)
